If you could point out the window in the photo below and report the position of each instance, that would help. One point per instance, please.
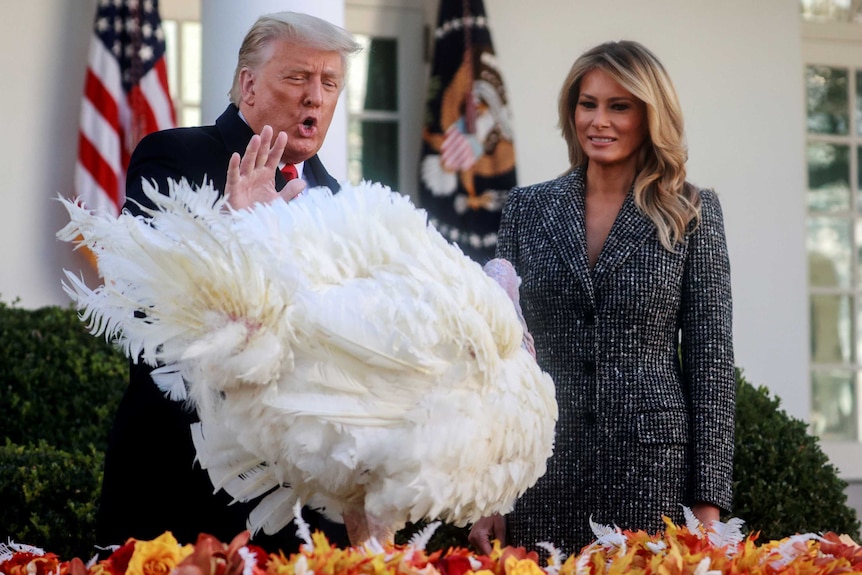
(373, 150)
(834, 246)
(183, 53)
(831, 10)
(386, 93)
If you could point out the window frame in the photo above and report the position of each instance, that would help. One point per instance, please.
(839, 44)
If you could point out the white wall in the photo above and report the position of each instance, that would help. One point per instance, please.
(43, 51)
(736, 63)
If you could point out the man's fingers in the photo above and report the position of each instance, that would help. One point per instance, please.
(292, 189)
(249, 159)
(263, 151)
(233, 169)
(276, 151)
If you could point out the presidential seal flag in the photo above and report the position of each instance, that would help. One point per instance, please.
(468, 155)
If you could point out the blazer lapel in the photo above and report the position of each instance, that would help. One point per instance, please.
(630, 230)
(563, 222)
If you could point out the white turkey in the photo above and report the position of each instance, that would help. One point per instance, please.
(335, 346)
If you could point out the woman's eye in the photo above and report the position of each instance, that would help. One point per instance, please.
(620, 107)
(587, 104)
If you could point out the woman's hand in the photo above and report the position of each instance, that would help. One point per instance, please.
(486, 530)
(502, 272)
(706, 513)
(251, 179)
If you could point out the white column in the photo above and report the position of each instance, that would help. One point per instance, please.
(224, 24)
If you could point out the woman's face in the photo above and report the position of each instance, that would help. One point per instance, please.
(610, 122)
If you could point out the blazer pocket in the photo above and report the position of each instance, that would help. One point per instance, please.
(663, 427)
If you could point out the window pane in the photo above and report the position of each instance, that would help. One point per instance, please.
(191, 116)
(828, 108)
(191, 70)
(833, 405)
(831, 10)
(828, 177)
(373, 83)
(357, 76)
(373, 152)
(169, 27)
(829, 252)
(830, 328)
(382, 79)
(859, 103)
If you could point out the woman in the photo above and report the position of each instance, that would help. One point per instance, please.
(623, 264)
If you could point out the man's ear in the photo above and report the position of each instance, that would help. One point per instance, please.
(246, 86)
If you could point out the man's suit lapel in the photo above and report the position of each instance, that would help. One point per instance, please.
(234, 132)
(319, 176)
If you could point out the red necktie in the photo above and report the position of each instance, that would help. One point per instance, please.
(289, 172)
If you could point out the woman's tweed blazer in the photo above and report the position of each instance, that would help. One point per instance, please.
(638, 435)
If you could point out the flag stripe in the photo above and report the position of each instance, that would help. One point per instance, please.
(155, 85)
(103, 174)
(90, 192)
(102, 134)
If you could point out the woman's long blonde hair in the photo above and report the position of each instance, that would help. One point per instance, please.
(660, 189)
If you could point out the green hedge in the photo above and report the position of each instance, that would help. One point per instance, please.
(783, 482)
(59, 388)
(49, 498)
(57, 382)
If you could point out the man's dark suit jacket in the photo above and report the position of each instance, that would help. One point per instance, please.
(151, 482)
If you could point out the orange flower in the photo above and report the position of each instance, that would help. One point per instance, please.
(26, 563)
(157, 557)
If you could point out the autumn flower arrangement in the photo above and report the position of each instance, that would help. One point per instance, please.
(679, 550)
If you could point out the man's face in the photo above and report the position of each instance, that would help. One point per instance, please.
(295, 90)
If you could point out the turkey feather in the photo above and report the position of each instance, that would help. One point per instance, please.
(337, 349)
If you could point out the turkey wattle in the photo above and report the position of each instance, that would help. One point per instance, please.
(335, 346)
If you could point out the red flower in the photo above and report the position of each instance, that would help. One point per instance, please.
(26, 563)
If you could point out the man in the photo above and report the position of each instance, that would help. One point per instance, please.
(290, 72)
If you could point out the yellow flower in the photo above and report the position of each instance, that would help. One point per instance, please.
(157, 557)
(522, 567)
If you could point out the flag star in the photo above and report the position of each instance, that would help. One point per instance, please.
(129, 51)
(118, 26)
(149, 7)
(102, 24)
(145, 53)
(131, 25)
(133, 5)
(147, 30)
(104, 3)
(117, 48)
(160, 35)
(118, 3)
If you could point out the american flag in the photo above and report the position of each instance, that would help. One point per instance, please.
(126, 97)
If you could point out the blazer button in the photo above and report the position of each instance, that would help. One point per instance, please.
(590, 367)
